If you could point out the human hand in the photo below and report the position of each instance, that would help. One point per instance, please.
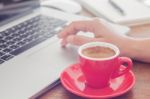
(101, 32)
(68, 35)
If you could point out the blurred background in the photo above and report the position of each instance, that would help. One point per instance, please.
(128, 12)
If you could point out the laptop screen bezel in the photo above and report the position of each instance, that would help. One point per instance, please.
(21, 5)
(25, 8)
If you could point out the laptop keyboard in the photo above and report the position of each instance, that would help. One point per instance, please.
(26, 35)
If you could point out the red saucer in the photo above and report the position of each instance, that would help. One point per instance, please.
(74, 81)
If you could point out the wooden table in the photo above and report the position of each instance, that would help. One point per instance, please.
(141, 90)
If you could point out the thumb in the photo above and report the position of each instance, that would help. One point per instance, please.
(80, 40)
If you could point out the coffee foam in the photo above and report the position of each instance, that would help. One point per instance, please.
(101, 44)
(98, 52)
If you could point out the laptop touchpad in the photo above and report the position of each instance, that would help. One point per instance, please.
(54, 55)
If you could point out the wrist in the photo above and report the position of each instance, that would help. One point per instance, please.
(126, 45)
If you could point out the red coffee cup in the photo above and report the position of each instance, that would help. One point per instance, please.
(99, 71)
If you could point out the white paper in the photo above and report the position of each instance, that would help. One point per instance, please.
(135, 11)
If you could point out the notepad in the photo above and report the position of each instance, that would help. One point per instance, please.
(135, 11)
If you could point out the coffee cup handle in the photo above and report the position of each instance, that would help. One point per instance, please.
(127, 67)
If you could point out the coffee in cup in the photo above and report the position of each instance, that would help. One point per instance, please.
(100, 62)
(98, 52)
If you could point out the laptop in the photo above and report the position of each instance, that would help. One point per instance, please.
(31, 57)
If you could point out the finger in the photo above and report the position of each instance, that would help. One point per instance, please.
(75, 27)
(80, 40)
(63, 43)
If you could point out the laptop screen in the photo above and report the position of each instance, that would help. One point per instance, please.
(10, 8)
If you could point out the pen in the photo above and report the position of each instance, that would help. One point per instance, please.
(117, 7)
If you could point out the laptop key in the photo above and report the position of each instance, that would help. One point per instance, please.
(2, 41)
(5, 33)
(1, 61)
(2, 53)
(7, 50)
(3, 46)
(21, 43)
(8, 38)
(27, 46)
(1, 37)
(7, 57)
(14, 46)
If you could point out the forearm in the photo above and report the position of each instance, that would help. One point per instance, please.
(135, 48)
(138, 49)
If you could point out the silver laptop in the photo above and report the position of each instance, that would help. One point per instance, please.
(31, 58)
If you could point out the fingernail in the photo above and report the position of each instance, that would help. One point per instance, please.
(63, 43)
